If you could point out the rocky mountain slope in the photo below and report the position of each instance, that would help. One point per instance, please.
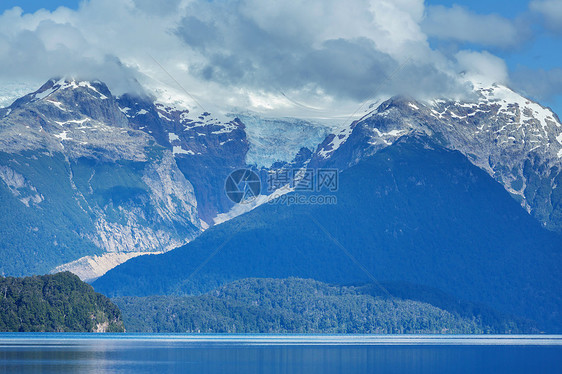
(90, 180)
(79, 180)
(517, 141)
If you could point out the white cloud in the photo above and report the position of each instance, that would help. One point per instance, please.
(551, 10)
(244, 53)
(482, 66)
(36, 47)
(460, 24)
(539, 84)
(389, 24)
(303, 47)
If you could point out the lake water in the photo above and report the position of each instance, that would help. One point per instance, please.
(269, 354)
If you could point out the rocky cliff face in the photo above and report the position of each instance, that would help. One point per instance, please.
(206, 149)
(128, 174)
(517, 141)
(89, 268)
(70, 155)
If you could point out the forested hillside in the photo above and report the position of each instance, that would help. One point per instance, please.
(55, 303)
(307, 306)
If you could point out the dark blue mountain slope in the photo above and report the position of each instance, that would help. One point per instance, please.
(414, 212)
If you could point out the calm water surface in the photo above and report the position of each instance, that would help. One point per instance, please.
(269, 354)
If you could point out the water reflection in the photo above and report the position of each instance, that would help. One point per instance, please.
(165, 356)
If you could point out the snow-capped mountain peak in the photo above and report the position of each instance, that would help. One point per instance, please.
(516, 140)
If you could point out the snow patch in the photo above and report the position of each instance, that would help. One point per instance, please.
(240, 209)
(164, 117)
(506, 98)
(63, 136)
(336, 142)
(178, 150)
(57, 104)
(78, 122)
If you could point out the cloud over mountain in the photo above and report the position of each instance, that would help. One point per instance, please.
(257, 54)
(460, 24)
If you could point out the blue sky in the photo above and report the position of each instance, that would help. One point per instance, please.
(542, 51)
(526, 37)
(30, 6)
(507, 8)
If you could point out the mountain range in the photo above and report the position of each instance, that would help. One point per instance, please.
(456, 195)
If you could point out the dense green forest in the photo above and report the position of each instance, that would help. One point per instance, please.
(306, 306)
(55, 303)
